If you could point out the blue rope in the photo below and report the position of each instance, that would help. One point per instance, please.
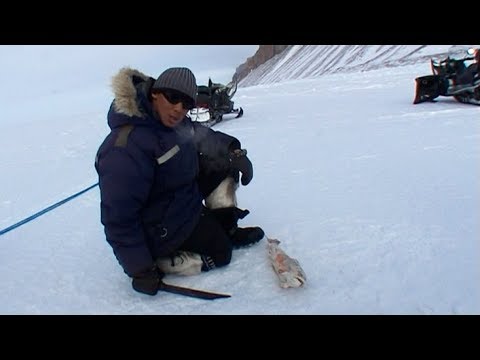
(51, 207)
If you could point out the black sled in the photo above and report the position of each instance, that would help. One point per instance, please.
(451, 77)
(213, 102)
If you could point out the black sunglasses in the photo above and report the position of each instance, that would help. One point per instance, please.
(174, 97)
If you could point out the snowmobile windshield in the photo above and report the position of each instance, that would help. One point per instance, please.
(231, 89)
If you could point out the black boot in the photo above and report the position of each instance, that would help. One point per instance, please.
(228, 218)
(247, 236)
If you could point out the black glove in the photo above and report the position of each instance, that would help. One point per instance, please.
(147, 282)
(240, 162)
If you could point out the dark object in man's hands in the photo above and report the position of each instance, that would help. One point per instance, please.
(240, 162)
(148, 281)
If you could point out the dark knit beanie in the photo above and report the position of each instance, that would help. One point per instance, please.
(180, 79)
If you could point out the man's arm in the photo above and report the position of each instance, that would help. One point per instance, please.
(124, 192)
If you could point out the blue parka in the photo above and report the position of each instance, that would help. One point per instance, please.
(148, 173)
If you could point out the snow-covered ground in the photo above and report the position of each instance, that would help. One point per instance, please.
(377, 198)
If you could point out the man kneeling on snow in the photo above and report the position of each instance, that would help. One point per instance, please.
(155, 168)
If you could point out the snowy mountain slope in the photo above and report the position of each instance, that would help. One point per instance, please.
(309, 61)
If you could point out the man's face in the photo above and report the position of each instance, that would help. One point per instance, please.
(171, 106)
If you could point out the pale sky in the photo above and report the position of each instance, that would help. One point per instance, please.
(34, 68)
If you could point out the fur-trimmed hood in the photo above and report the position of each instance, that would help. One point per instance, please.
(125, 91)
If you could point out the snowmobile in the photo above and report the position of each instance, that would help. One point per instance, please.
(213, 102)
(451, 77)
